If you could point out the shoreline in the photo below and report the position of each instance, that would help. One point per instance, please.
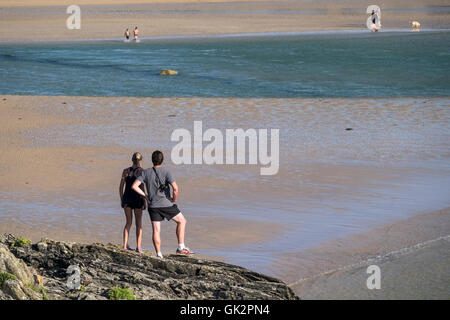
(419, 245)
(398, 248)
(167, 19)
(223, 36)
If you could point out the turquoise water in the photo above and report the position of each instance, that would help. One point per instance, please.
(389, 64)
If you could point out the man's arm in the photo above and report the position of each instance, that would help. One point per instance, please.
(175, 191)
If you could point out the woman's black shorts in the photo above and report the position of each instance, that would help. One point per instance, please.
(136, 204)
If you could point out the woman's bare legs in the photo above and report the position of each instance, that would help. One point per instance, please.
(126, 229)
(138, 218)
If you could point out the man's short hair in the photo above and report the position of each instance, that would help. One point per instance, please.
(157, 158)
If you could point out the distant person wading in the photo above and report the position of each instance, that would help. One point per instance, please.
(135, 33)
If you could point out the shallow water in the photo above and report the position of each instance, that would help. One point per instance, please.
(388, 64)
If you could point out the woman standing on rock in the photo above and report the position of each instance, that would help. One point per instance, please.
(130, 201)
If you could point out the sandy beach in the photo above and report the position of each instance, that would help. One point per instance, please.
(80, 172)
(59, 177)
(46, 20)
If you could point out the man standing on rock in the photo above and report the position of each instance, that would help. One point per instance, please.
(161, 205)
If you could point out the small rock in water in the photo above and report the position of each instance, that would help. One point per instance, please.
(172, 115)
(168, 72)
(348, 129)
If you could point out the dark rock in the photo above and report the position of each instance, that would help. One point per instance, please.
(17, 280)
(14, 289)
(103, 267)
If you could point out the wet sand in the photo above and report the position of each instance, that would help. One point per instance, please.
(53, 182)
(342, 197)
(413, 256)
(46, 20)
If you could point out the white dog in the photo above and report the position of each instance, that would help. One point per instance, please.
(415, 25)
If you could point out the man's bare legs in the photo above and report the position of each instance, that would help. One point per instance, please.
(138, 217)
(157, 236)
(126, 229)
(180, 231)
(181, 227)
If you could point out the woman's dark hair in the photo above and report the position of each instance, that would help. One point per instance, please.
(157, 158)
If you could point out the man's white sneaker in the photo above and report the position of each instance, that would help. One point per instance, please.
(185, 251)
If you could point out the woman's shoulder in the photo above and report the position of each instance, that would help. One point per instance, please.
(126, 171)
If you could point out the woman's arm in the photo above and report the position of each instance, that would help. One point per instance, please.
(121, 185)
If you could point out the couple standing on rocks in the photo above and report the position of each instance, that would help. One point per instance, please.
(161, 204)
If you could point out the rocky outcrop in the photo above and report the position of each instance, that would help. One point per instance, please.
(17, 280)
(39, 271)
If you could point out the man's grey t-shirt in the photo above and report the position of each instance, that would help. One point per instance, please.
(157, 198)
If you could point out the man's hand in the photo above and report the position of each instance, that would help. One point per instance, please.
(146, 199)
(175, 192)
